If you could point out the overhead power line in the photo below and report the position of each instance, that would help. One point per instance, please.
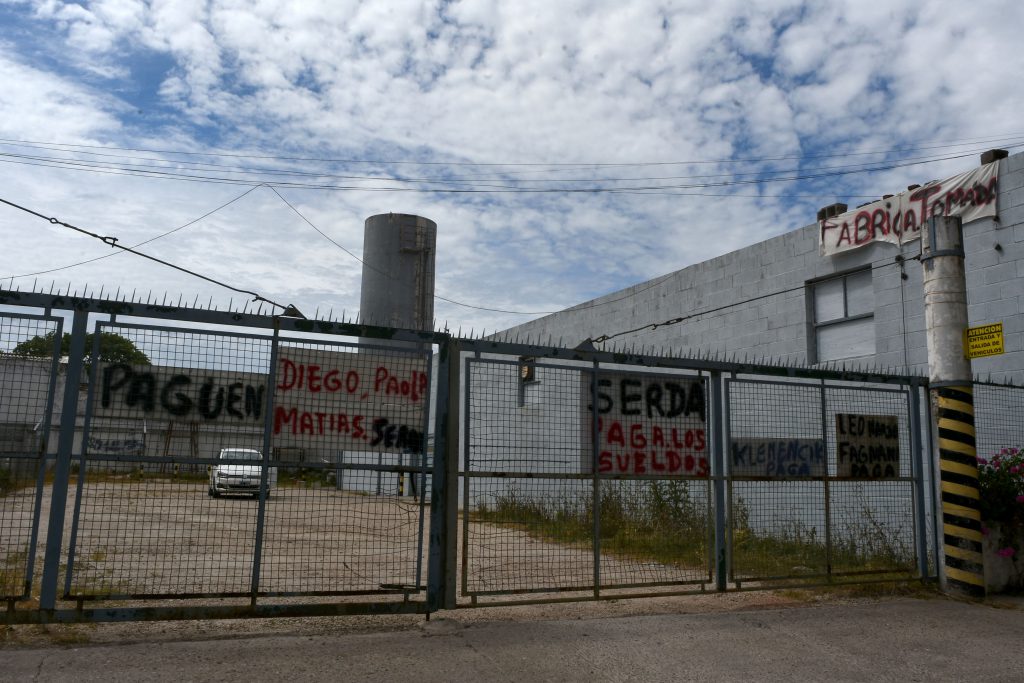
(470, 188)
(112, 242)
(571, 165)
(600, 339)
(388, 275)
(138, 244)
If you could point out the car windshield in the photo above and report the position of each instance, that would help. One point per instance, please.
(239, 454)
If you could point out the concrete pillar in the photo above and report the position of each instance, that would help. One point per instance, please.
(952, 403)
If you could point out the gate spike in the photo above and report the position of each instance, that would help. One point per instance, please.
(100, 296)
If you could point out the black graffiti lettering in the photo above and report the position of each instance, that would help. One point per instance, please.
(685, 400)
(604, 401)
(396, 436)
(114, 377)
(654, 400)
(142, 392)
(181, 403)
(254, 400)
(234, 398)
(178, 394)
(627, 398)
(205, 395)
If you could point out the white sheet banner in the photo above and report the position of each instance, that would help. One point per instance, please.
(898, 219)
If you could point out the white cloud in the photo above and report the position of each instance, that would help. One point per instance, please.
(526, 82)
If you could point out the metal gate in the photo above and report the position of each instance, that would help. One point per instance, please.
(590, 475)
(551, 505)
(227, 464)
(845, 497)
(184, 463)
(28, 385)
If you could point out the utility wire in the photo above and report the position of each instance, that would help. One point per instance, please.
(112, 242)
(501, 189)
(139, 244)
(388, 275)
(570, 165)
(899, 259)
(204, 167)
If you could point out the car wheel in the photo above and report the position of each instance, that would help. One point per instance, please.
(215, 493)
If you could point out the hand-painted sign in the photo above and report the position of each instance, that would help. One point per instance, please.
(898, 219)
(985, 340)
(867, 446)
(339, 400)
(179, 394)
(645, 425)
(122, 446)
(350, 401)
(777, 458)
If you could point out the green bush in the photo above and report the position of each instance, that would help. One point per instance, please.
(1001, 487)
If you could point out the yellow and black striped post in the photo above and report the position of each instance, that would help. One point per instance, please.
(958, 465)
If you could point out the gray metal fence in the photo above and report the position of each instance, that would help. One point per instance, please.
(590, 475)
(998, 417)
(210, 464)
(256, 465)
(826, 481)
(27, 389)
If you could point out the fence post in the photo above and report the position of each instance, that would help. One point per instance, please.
(595, 442)
(62, 470)
(717, 418)
(268, 435)
(952, 403)
(442, 560)
(917, 472)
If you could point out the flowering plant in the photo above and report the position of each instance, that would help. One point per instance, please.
(1001, 484)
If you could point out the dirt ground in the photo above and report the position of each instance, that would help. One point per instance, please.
(168, 536)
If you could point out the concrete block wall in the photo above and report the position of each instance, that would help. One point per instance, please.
(753, 302)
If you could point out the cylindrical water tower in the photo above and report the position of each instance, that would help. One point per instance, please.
(398, 271)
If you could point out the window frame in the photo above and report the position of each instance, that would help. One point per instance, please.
(816, 325)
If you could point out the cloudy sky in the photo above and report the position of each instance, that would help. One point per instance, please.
(565, 149)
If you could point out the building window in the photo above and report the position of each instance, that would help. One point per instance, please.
(842, 310)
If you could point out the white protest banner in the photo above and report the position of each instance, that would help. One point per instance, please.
(867, 446)
(646, 425)
(898, 219)
(350, 401)
(777, 458)
(335, 400)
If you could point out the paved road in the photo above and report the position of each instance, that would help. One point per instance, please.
(899, 640)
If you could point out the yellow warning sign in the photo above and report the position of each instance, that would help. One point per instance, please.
(984, 340)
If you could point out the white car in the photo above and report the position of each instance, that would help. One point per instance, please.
(238, 471)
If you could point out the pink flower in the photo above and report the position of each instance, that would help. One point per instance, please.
(1005, 451)
(1015, 469)
(1020, 499)
(1006, 552)
(982, 461)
